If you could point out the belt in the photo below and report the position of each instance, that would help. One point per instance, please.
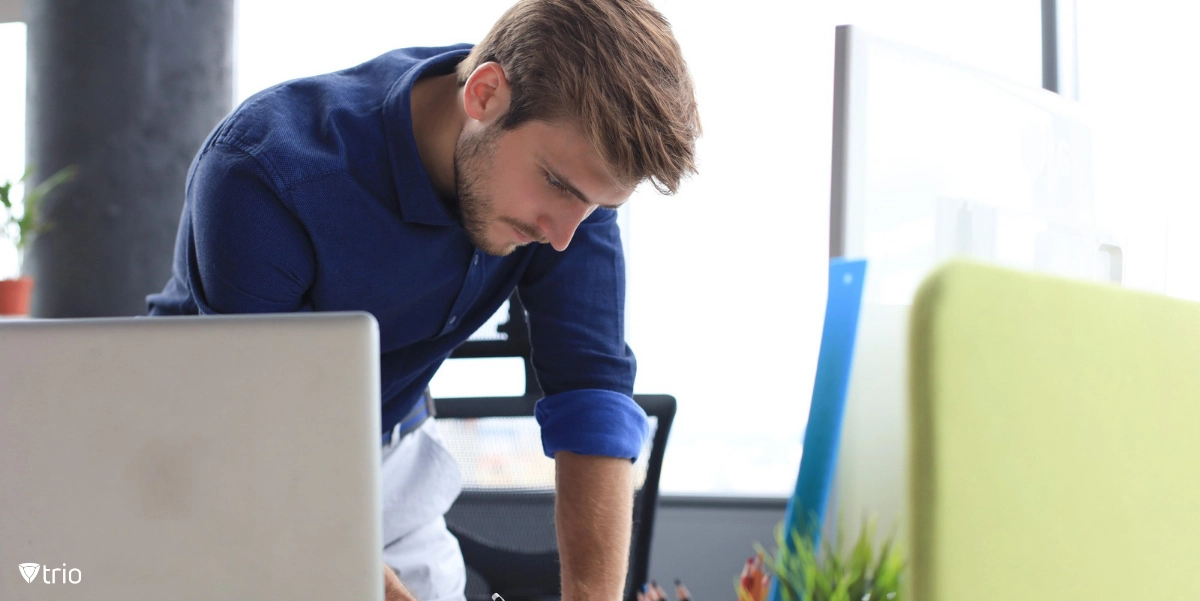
(413, 420)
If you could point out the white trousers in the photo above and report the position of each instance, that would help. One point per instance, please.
(420, 480)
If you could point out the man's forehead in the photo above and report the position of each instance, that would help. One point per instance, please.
(564, 142)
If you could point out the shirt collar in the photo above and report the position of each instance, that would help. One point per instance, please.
(419, 202)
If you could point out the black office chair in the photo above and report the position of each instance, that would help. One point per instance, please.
(504, 519)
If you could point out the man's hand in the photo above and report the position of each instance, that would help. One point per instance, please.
(393, 589)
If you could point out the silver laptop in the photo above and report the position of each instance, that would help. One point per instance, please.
(192, 458)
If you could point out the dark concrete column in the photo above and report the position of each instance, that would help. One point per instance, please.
(127, 90)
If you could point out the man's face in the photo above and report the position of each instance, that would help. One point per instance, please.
(535, 183)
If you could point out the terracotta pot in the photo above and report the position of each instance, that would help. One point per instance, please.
(14, 296)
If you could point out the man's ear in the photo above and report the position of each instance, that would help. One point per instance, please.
(486, 94)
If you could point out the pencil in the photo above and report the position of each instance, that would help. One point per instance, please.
(681, 591)
(659, 593)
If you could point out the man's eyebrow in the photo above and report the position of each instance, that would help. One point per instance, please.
(571, 187)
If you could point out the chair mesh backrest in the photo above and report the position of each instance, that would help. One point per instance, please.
(504, 518)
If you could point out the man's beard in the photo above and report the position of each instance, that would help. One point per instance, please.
(473, 155)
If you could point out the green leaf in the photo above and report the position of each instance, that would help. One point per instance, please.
(30, 224)
(804, 575)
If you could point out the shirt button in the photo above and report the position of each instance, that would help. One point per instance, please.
(475, 260)
(453, 318)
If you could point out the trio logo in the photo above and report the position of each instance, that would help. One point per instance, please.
(29, 571)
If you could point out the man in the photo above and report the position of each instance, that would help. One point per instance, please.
(424, 186)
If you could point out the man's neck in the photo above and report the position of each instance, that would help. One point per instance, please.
(438, 118)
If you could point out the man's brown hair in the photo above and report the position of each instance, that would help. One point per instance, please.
(610, 67)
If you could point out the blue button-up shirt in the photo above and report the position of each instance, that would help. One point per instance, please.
(311, 196)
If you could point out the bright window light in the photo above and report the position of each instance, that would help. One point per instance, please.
(12, 122)
(1137, 77)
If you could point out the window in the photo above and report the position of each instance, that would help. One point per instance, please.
(1137, 77)
(727, 280)
(277, 40)
(12, 122)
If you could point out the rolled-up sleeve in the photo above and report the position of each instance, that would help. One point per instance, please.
(576, 305)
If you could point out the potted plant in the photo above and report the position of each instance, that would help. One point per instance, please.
(19, 223)
(804, 575)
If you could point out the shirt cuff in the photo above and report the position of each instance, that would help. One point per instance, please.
(592, 422)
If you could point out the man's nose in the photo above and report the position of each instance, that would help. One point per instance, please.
(559, 226)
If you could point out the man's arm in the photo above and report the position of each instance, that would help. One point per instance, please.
(590, 423)
(393, 589)
(594, 515)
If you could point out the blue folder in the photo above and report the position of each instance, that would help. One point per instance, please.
(806, 508)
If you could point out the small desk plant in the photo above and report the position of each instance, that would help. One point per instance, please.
(803, 574)
(20, 222)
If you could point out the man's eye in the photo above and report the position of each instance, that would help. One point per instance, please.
(562, 188)
(554, 183)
